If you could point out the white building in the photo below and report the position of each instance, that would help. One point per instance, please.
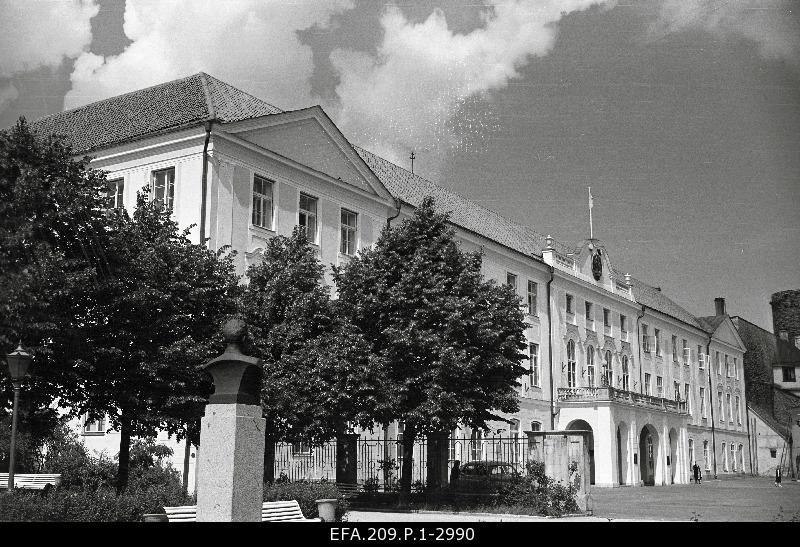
(658, 387)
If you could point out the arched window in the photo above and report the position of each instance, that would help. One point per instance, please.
(516, 446)
(705, 455)
(571, 363)
(608, 371)
(590, 365)
(741, 458)
(625, 373)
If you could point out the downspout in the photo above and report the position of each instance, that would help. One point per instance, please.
(747, 417)
(397, 204)
(711, 403)
(639, 347)
(204, 183)
(550, 351)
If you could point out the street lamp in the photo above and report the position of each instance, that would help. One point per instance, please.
(18, 362)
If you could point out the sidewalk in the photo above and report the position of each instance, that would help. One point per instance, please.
(442, 516)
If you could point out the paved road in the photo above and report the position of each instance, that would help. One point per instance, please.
(740, 499)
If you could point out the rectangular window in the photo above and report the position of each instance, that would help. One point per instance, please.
(570, 304)
(700, 357)
(645, 339)
(687, 395)
(623, 326)
(657, 336)
(674, 349)
(736, 368)
(163, 186)
(738, 411)
(533, 289)
(349, 231)
(262, 202)
(606, 318)
(706, 459)
(788, 374)
(95, 427)
(308, 216)
(721, 407)
(659, 386)
(730, 408)
(589, 316)
(773, 452)
(686, 352)
(733, 457)
(301, 449)
(647, 383)
(727, 367)
(511, 280)
(719, 363)
(724, 458)
(702, 402)
(533, 364)
(677, 390)
(115, 192)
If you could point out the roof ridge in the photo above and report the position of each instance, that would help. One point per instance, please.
(115, 97)
(212, 112)
(495, 213)
(218, 81)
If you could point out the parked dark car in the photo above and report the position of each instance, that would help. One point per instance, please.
(484, 475)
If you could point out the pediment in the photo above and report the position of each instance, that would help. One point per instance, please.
(727, 333)
(585, 261)
(309, 138)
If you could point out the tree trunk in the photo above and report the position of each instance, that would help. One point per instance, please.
(187, 452)
(407, 470)
(124, 451)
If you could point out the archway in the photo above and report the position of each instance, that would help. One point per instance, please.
(583, 425)
(648, 454)
(622, 452)
(673, 455)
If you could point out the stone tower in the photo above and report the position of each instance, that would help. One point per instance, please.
(786, 315)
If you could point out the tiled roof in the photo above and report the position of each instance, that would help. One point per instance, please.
(412, 189)
(711, 322)
(163, 107)
(786, 405)
(653, 298)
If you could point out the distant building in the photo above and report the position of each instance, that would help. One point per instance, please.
(658, 387)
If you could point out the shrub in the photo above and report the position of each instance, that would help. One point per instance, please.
(538, 491)
(99, 505)
(307, 493)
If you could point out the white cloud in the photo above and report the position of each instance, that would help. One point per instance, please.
(251, 44)
(774, 25)
(404, 97)
(39, 33)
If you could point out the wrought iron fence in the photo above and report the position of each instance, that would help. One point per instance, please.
(379, 462)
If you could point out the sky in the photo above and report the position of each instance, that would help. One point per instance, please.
(682, 115)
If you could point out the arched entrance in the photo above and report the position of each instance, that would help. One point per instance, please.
(622, 452)
(582, 425)
(648, 454)
(673, 455)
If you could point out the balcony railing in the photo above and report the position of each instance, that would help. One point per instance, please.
(592, 394)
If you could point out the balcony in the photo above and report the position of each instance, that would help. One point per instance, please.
(613, 395)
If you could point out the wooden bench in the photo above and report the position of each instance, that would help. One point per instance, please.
(349, 491)
(271, 511)
(31, 481)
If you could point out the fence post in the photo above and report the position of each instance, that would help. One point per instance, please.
(347, 458)
(437, 459)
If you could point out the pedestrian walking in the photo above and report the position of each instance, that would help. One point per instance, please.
(778, 477)
(696, 473)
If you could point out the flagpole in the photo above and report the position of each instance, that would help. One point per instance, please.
(591, 230)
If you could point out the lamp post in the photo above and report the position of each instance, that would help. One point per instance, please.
(18, 362)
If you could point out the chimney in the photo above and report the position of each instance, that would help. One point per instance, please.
(719, 306)
(784, 335)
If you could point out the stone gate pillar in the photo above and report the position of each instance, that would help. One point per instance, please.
(231, 466)
(347, 458)
(437, 459)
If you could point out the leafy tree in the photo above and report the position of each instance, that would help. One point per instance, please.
(153, 319)
(447, 340)
(318, 375)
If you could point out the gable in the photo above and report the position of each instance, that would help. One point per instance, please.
(306, 141)
(726, 332)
